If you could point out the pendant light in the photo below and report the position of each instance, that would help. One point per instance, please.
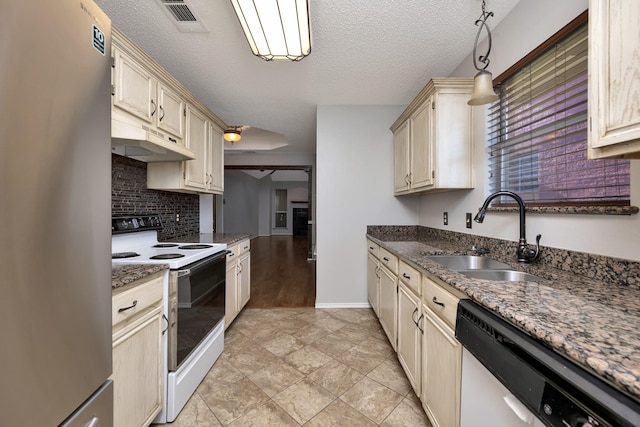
(483, 92)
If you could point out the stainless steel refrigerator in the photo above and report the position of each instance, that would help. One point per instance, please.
(55, 210)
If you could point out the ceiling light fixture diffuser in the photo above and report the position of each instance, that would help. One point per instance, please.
(232, 135)
(276, 29)
(483, 92)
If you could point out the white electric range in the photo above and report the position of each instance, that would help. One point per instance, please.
(196, 279)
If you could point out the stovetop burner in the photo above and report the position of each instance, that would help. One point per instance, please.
(195, 246)
(167, 256)
(165, 245)
(120, 255)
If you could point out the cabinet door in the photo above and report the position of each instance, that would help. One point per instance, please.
(231, 290)
(401, 176)
(137, 371)
(244, 280)
(197, 130)
(409, 336)
(421, 166)
(441, 372)
(170, 111)
(373, 283)
(134, 88)
(614, 85)
(216, 165)
(389, 304)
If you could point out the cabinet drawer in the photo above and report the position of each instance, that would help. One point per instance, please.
(244, 246)
(373, 248)
(128, 303)
(389, 259)
(233, 253)
(410, 276)
(440, 301)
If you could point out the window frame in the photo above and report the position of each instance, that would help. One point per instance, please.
(517, 67)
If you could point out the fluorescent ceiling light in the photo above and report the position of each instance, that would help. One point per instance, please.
(275, 29)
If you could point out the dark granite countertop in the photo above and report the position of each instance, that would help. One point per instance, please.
(228, 238)
(122, 275)
(593, 322)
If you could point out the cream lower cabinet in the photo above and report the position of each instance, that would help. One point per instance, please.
(373, 277)
(441, 356)
(138, 352)
(614, 79)
(389, 304)
(238, 280)
(410, 335)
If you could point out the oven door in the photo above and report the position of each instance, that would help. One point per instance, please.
(201, 301)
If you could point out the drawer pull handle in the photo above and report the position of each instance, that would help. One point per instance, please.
(405, 276)
(435, 301)
(385, 258)
(371, 247)
(135, 302)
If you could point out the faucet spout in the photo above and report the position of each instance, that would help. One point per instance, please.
(524, 253)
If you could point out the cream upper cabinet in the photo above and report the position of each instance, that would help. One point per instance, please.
(204, 174)
(171, 111)
(614, 78)
(216, 154)
(401, 150)
(146, 97)
(138, 92)
(195, 171)
(435, 134)
(134, 87)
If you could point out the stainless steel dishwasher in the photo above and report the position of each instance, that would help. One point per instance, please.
(544, 388)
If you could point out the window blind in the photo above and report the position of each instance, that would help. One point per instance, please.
(538, 133)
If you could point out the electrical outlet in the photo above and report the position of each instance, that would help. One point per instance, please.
(445, 218)
(177, 217)
(468, 220)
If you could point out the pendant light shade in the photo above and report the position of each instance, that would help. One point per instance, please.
(483, 92)
(232, 135)
(276, 29)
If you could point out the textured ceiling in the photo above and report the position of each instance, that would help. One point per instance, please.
(364, 52)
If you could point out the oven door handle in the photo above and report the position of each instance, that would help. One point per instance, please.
(196, 266)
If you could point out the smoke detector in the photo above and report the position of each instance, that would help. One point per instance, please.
(181, 13)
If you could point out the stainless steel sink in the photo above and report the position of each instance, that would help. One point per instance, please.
(501, 275)
(468, 262)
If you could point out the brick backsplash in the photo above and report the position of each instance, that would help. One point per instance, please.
(129, 195)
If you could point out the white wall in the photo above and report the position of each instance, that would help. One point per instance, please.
(354, 189)
(240, 203)
(529, 24)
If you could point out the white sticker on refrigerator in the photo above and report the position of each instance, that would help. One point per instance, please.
(98, 39)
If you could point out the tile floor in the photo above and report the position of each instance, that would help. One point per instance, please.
(305, 366)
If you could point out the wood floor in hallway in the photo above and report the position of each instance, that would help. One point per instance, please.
(281, 276)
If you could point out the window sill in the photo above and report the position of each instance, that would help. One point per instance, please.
(580, 210)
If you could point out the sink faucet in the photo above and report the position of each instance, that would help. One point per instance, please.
(524, 253)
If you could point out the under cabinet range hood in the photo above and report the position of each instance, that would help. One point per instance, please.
(145, 143)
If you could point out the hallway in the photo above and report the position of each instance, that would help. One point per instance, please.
(281, 276)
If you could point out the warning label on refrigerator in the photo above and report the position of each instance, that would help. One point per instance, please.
(98, 39)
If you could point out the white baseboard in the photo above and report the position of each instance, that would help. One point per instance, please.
(343, 305)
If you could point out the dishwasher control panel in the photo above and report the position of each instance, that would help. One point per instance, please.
(559, 410)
